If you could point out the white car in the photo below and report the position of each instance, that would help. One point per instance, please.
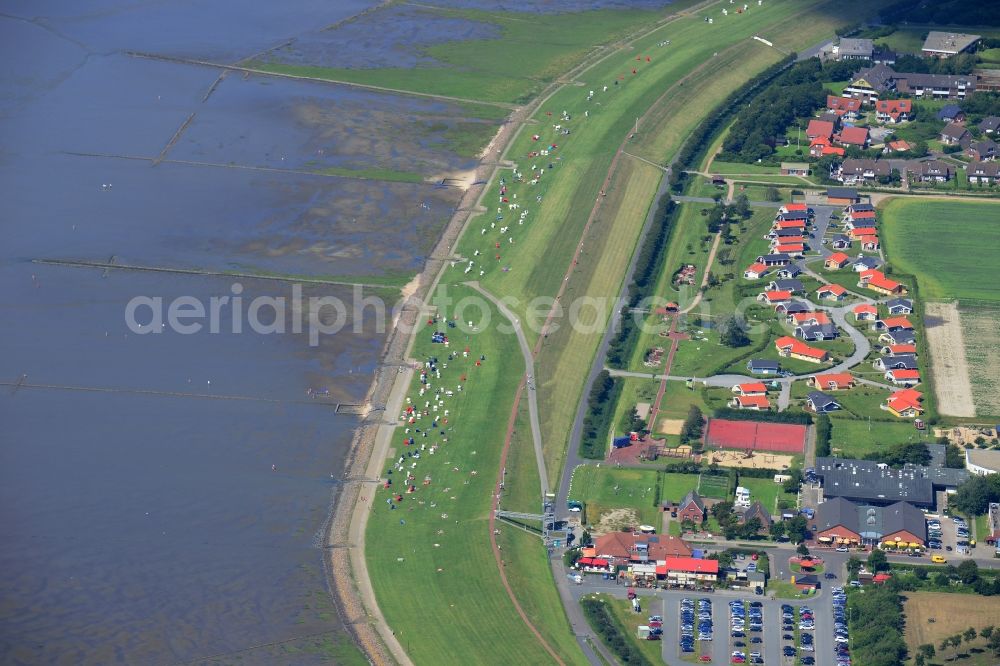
(843, 549)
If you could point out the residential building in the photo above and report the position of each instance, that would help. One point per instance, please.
(904, 377)
(936, 86)
(757, 403)
(757, 510)
(793, 286)
(836, 261)
(983, 151)
(905, 403)
(834, 381)
(840, 242)
(691, 508)
(793, 348)
(946, 44)
(819, 128)
(862, 264)
(839, 196)
(751, 388)
(854, 49)
(951, 113)
(935, 171)
(896, 362)
(983, 173)
(774, 297)
(821, 403)
(816, 332)
(877, 483)
(755, 271)
(789, 271)
(877, 281)
(820, 147)
(831, 292)
(853, 171)
(897, 146)
(847, 108)
(774, 259)
(853, 136)
(794, 168)
(898, 338)
(763, 367)
(893, 324)
(869, 83)
(899, 306)
(893, 110)
(989, 124)
(982, 461)
(954, 134)
(865, 312)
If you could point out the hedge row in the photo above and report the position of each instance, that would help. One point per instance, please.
(600, 410)
(771, 417)
(602, 622)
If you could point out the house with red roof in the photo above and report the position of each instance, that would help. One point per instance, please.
(877, 281)
(690, 572)
(847, 108)
(893, 110)
(831, 292)
(623, 548)
(836, 261)
(893, 324)
(790, 224)
(898, 146)
(903, 377)
(791, 249)
(865, 312)
(791, 347)
(895, 350)
(835, 381)
(853, 136)
(789, 207)
(819, 128)
(821, 146)
(851, 218)
(753, 402)
(774, 297)
(905, 403)
(752, 388)
(869, 243)
(755, 271)
(808, 318)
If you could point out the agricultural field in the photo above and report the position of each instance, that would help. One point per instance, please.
(957, 269)
(981, 335)
(934, 616)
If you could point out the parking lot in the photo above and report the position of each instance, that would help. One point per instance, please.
(947, 535)
(719, 650)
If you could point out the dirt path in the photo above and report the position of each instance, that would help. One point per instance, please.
(952, 387)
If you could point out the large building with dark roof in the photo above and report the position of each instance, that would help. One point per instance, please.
(840, 521)
(879, 484)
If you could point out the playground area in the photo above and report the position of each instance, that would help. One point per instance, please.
(756, 460)
(755, 436)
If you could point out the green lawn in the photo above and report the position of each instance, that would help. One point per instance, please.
(675, 486)
(605, 488)
(852, 438)
(768, 492)
(948, 245)
(714, 486)
(628, 622)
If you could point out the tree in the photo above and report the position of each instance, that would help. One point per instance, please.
(741, 206)
(927, 650)
(993, 643)
(722, 511)
(986, 631)
(777, 529)
(794, 481)
(941, 579)
(797, 529)
(853, 566)
(877, 561)
(920, 660)
(921, 574)
(693, 426)
(772, 194)
(802, 549)
(970, 634)
(968, 571)
(974, 495)
(733, 332)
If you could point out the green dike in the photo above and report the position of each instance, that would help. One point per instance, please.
(950, 246)
(440, 600)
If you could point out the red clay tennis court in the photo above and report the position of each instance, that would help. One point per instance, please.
(756, 435)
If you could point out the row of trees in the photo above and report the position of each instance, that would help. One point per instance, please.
(600, 619)
(693, 428)
(950, 644)
(600, 410)
(901, 453)
(876, 619)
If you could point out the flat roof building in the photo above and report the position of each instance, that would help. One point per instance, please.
(982, 461)
(946, 44)
(877, 483)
